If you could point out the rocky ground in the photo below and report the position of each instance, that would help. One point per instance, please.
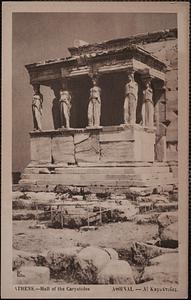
(137, 241)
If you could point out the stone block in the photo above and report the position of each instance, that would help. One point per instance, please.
(144, 146)
(172, 151)
(122, 135)
(169, 236)
(40, 149)
(117, 152)
(88, 149)
(116, 272)
(63, 149)
(160, 149)
(171, 96)
(172, 131)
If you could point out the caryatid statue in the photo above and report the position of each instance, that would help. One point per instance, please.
(65, 107)
(130, 103)
(94, 107)
(37, 109)
(148, 106)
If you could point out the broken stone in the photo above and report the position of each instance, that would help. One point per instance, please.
(169, 236)
(140, 191)
(22, 258)
(112, 253)
(78, 197)
(166, 219)
(162, 207)
(90, 261)
(61, 261)
(16, 195)
(150, 218)
(116, 272)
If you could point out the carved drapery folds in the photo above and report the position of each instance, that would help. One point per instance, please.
(94, 106)
(131, 96)
(148, 106)
(65, 106)
(37, 101)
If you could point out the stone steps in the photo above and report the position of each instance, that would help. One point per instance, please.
(101, 170)
(98, 177)
(87, 182)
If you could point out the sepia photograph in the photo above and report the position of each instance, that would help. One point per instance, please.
(98, 150)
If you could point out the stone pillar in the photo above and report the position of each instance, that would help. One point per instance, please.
(94, 106)
(148, 105)
(65, 105)
(37, 107)
(160, 121)
(131, 98)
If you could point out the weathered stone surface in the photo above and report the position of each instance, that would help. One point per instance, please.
(163, 269)
(21, 216)
(142, 253)
(88, 150)
(169, 236)
(112, 253)
(95, 256)
(116, 272)
(160, 149)
(165, 219)
(117, 152)
(22, 258)
(61, 260)
(81, 137)
(172, 131)
(16, 195)
(172, 151)
(41, 150)
(117, 136)
(33, 275)
(162, 207)
(63, 149)
(150, 218)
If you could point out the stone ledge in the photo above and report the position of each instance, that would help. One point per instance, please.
(70, 131)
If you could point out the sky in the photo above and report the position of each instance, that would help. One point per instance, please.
(42, 36)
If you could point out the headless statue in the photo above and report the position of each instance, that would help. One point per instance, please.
(130, 103)
(65, 107)
(37, 111)
(148, 107)
(94, 107)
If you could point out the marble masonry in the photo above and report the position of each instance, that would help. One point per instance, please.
(107, 119)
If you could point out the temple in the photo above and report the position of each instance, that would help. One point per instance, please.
(110, 126)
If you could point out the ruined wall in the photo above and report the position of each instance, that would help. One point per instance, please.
(168, 52)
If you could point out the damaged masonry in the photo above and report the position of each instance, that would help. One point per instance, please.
(110, 160)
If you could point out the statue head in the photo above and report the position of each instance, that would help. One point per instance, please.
(130, 76)
(36, 97)
(94, 81)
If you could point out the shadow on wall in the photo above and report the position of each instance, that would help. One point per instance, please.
(16, 176)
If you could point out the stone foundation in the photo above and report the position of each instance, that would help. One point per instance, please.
(113, 156)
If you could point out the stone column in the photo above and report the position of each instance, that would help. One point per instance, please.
(148, 105)
(160, 124)
(131, 98)
(37, 107)
(65, 105)
(94, 106)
